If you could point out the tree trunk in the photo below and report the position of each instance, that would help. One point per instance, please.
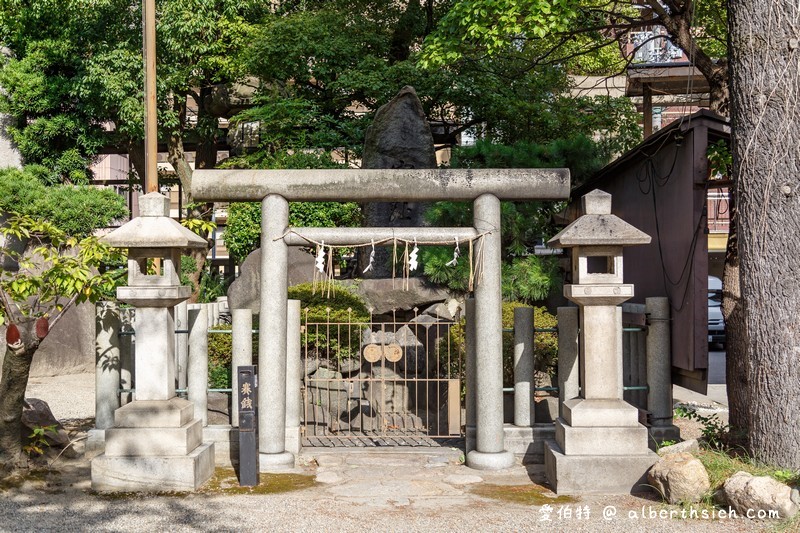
(736, 342)
(766, 164)
(22, 341)
(207, 126)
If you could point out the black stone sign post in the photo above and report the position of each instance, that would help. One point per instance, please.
(248, 426)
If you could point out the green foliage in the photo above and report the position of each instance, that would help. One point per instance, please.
(492, 25)
(37, 440)
(56, 271)
(333, 326)
(545, 345)
(243, 232)
(530, 279)
(77, 68)
(188, 266)
(720, 159)
(79, 210)
(721, 465)
(212, 286)
(220, 350)
(75, 210)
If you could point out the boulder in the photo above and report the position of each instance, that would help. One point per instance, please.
(36, 413)
(749, 495)
(245, 291)
(687, 446)
(680, 478)
(386, 295)
(399, 137)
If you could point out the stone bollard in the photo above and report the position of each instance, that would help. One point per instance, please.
(659, 370)
(293, 376)
(242, 352)
(197, 379)
(469, 341)
(127, 349)
(524, 383)
(182, 341)
(568, 371)
(107, 363)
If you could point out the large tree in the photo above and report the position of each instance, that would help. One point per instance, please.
(55, 272)
(74, 84)
(585, 35)
(765, 89)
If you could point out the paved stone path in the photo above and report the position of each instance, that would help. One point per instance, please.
(361, 490)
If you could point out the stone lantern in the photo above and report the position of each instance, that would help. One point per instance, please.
(600, 445)
(156, 442)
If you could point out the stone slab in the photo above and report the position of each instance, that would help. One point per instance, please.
(579, 412)
(527, 443)
(172, 413)
(601, 441)
(153, 474)
(595, 474)
(148, 442)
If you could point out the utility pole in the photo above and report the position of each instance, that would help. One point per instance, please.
(151, 117)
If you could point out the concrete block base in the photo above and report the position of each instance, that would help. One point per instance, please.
(275, 462)
(470, 436)
(226, 443)
(150, 474)
(95, 442)
(490, 461)
(596, 474)
(527, 443)
(659, 434)
(293, 440)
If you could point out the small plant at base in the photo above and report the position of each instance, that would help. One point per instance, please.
(713, 430)
(38, 440)
(665, 443)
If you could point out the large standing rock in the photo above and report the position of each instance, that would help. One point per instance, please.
(755, 497)
(245, 290)
(679, 477)
(69, 347)
(399, 137)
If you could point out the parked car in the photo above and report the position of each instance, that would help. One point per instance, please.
(716, 322)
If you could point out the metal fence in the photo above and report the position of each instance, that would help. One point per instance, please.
(380, 383)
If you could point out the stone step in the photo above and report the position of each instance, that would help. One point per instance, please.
(149, 474)
(172, 413)
(579, 412)
(148, 442)
(602, 440)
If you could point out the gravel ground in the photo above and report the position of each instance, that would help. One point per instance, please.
(70, 397)
(396, 493)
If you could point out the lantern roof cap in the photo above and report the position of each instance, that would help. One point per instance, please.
(598, 227)
(153, 228)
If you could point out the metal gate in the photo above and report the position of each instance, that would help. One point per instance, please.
(383, 383)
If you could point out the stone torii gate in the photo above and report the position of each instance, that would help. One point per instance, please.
(276, 188)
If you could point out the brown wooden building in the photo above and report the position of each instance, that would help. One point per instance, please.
(662, 187)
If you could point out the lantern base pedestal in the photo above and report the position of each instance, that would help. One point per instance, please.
(154, 446)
